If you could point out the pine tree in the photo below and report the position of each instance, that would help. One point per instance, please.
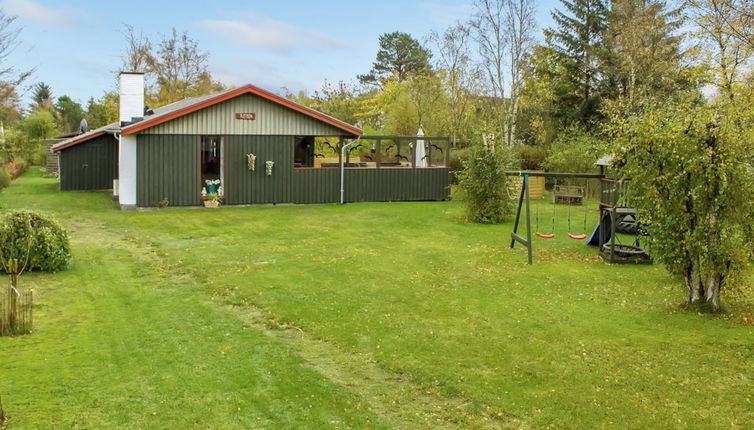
(399, 56)
(42, 96)
(578, 41)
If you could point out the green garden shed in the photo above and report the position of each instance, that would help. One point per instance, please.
(249, 146)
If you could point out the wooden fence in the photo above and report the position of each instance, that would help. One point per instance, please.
(16, 315)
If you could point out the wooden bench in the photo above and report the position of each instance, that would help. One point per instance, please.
(568, 194)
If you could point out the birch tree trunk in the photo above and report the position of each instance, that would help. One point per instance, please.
(694, 289)
(712, 290)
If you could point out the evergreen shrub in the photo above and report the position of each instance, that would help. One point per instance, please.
(50, 246)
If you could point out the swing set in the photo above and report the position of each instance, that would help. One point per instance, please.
(570, 233)
(523, 200)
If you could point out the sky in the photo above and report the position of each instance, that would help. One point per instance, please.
(75, 46)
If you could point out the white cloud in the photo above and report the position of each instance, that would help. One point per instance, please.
(32, 11)
(444, 14)
(271, 36)
(267, 75)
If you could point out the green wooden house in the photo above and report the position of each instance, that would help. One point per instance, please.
(249, 146)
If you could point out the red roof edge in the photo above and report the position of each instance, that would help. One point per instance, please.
(67, 135)
(77, 141)
(247, 89)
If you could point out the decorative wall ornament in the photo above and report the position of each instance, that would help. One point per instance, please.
(251, 161)
(268, 167)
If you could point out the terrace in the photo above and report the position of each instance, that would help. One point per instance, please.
(373, 152)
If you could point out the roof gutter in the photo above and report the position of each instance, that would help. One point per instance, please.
(343, 168)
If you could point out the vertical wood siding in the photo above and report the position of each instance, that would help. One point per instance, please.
(90, 165)
(381, 185)
(370, 185)
(315, 186)
(167, 168)
(246, 187)
(271, 119)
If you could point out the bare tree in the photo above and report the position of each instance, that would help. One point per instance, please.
(739, 18)
(487, 23)
(10, 78)
(175, 68)
(179, 63)
(731, 54)
(138, 56)
(454, 60)
(519, 18)
(504, 32)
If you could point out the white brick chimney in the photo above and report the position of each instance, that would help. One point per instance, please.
(131, 87)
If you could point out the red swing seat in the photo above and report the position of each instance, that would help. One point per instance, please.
(545, 236)
(577, 236)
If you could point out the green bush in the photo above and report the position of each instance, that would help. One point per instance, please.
(457, 157)
(531, 157)
(50, 247)
(17, 146)
(26, 140)
(4, 179)
(575, 150)
(483, 181)
(38, 155)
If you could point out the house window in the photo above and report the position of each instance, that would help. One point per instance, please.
(316, 152)
(212, 165)
(303, 151)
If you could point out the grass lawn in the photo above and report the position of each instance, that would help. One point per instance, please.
(370, 315)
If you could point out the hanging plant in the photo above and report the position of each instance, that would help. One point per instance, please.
(268, 167)
(251, 161)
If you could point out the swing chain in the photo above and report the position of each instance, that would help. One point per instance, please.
(586, 209)
(554, 185)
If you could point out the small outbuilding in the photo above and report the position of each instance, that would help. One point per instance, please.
(248, 146)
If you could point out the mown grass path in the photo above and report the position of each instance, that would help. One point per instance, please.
(359, 316)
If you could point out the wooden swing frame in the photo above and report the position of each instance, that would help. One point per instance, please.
(523, 200)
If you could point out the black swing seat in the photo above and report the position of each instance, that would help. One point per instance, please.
(622, 250)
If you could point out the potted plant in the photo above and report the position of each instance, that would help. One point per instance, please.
(213, 185)
(212, 200)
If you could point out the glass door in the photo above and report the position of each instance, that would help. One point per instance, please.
(212, 166)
